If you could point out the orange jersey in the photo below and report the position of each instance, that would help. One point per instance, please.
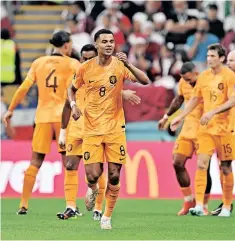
(51, 74)
(215, 90)
(103, 113)
(192, 121)
(76, 127)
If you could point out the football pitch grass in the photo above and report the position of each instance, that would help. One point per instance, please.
(133, 219)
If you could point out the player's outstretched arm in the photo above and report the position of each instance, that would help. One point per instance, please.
(176, 103)
(17, 98)
(140, 76)
(193, 102)
(76, 113)
(222, 108)
(130, 95)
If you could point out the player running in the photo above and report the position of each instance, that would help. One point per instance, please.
(74, 147)
(215, 87)
(186, 142)
(104, 122)
(51, 74)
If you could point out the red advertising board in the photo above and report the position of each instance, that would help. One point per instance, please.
(147, 174)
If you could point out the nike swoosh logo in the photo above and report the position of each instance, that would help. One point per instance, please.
(91, 81)
(121, 159)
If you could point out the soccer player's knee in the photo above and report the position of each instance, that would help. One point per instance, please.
(37, 159)
(70, 166)
(226, 167)
(114, 178)
(92, 178)
(178, 164)
(202, 165)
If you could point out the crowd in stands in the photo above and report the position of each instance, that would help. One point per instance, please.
(157, 36)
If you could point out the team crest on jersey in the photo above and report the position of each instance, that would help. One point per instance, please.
(86, 155)
(220, 86)
(113, 80)
(70, 147)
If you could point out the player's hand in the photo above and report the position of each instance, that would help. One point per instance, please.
(76, 113)
(206, 117)
(176, 123)
(162, 123)
(130, 95)
(122, 57)
(7, 117)
(62, 139)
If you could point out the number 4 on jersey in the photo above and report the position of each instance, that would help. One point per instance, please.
(54, 85)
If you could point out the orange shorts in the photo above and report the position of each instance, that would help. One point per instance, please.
(43, 135)
(111, 146)
(185, 146)
(73, 144)
(223, 145)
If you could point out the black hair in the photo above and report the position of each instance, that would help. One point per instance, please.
(5, 34)
(213, 7)
(187, 67)
(218, 48)
(102, 31)
(60, 38)
(88, 47)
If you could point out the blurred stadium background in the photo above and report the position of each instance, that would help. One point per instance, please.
(156, 35)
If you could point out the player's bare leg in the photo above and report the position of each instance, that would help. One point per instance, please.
(29, 181)
(71, 188)
(112, 193)
(93, 172)
(228, 184)
(200, 184)
(183, 179)
(97, 212)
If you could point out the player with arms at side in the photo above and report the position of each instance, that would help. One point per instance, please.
(215, 87)
(51, 74)
(73, 142)
(104, 122)
(186, 142)
(231, 65)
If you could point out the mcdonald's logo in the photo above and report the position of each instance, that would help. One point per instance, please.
(131, 171)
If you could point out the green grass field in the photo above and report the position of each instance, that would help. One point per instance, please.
(133, 219)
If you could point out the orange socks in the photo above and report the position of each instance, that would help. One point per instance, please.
(228, 183)
(200, 185)
(71, 187)
(221, 178)
(187, 192)
(111, 195)
(101, 193)
(29, 180)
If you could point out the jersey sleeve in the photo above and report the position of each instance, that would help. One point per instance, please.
(32, 71)
(78, 78)
(128, 75)
(231, 86)
(197, 89)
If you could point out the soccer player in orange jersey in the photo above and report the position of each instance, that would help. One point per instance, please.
(231, 65)
(51, 74)
(215, 87)
(104, 122)
(186, 142)
(73, 145)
